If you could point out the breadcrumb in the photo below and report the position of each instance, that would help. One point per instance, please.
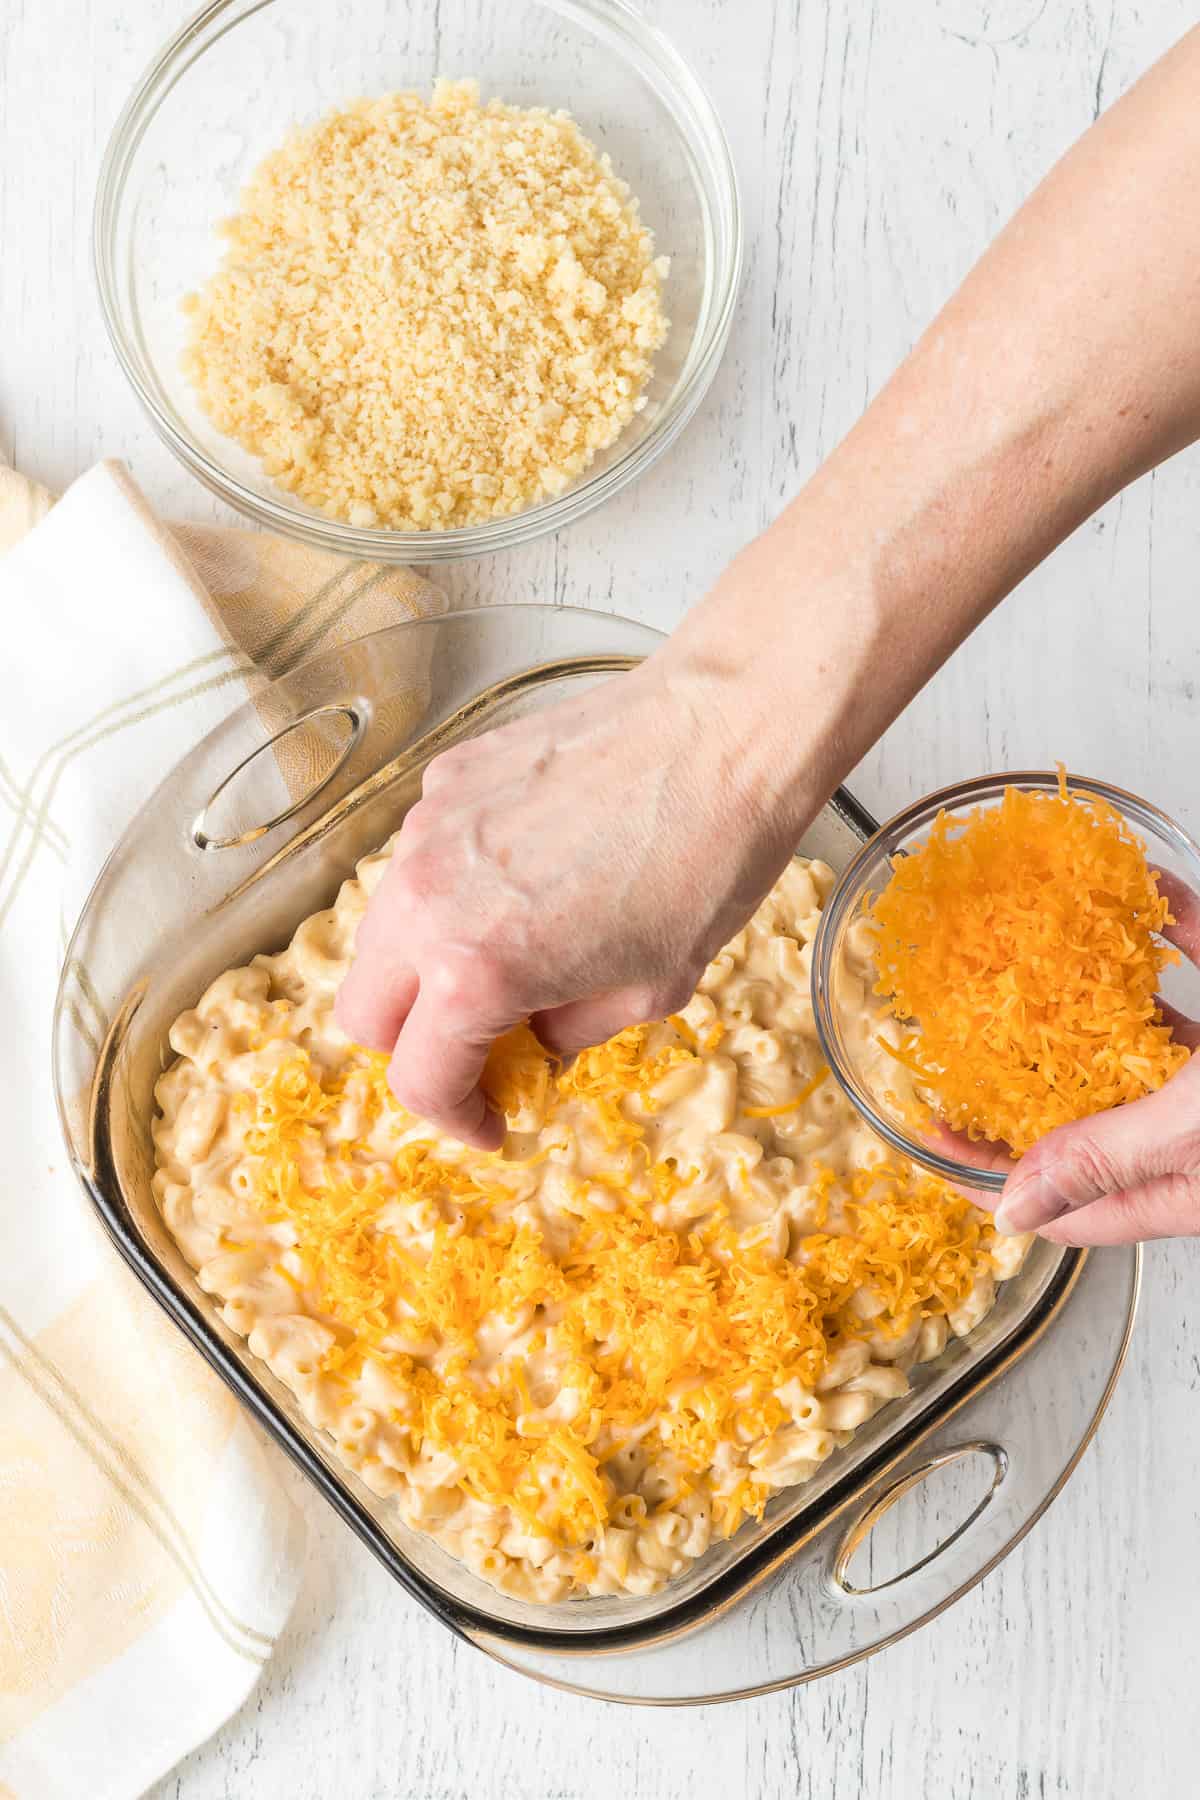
(430, 313)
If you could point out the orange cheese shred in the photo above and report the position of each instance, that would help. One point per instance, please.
(686, 1334)
(1019, 947)
(787, 1106)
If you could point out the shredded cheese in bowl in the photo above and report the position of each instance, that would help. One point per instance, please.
(1019, 946)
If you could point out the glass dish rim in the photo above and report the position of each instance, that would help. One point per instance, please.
(464, 1617)
(847, 895)
(642, 42)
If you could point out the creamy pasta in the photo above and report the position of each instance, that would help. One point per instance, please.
(688, 1277)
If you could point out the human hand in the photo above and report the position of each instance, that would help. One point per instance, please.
(578, 867)
(1129, 1174)
(1120, 1177)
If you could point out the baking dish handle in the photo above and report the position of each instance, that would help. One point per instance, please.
(859, 1534)
(334, 732)
(1024, 1427)
(815, 1610)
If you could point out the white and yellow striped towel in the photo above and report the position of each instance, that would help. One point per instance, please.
(148, 1554)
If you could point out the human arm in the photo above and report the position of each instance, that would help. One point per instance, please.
(581, 866)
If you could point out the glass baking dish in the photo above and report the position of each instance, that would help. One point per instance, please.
(253, 830)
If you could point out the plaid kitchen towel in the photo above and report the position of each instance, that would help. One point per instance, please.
(148, 1553)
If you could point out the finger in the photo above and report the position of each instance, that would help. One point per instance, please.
(1184, 1030)
(438, 1060)
(977, 1153)
(565, 1030)
(1185, 910)
(374, 1000)
(1114, 1151)
(1166, 1207)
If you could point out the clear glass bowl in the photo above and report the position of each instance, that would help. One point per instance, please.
(224, 92)
(1169, 848)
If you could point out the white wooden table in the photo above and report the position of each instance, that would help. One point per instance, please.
(879, 147)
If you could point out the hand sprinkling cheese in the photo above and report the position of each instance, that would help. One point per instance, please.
(642, 824)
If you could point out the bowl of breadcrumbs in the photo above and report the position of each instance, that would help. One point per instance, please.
(406, 313)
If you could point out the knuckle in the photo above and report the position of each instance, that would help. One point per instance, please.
(473, 980)
(446, 768)
(642, 1005)
(418, 823)
(1083, 1170)
(415, 880)
(1168, 1207)
(450, 980)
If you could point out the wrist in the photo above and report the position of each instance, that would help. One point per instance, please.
(825, 627)
(778, 667)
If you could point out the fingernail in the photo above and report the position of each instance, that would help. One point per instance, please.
(1033, 1203)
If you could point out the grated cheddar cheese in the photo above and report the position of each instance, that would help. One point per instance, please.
(685, 1279)
(1019, 945)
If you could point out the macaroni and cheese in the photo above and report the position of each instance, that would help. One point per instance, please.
(690, 1274)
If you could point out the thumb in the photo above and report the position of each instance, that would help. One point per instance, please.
(1126, 1150)
(1166, 1206)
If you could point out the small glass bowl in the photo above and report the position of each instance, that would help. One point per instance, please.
(1170, 850)
(228, 86)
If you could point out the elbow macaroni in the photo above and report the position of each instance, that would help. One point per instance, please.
(577, 1361)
